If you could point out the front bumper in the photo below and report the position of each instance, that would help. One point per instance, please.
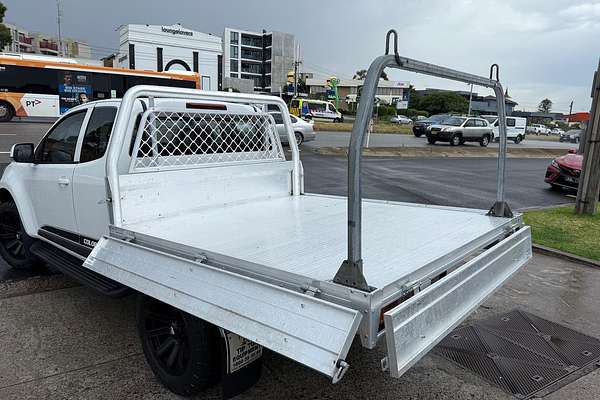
(562, 177)
(440, 135)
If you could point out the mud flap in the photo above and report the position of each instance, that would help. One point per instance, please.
(242, 364)
(418, 324)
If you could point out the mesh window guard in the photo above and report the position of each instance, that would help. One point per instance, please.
(177, 140)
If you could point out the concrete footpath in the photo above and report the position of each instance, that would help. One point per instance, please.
(64, 341)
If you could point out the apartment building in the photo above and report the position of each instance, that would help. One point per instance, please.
(264, 58)
(26, 42)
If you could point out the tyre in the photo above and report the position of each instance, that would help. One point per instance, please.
(14, 241)
(7, 112)
(518, 139)
(417, 134)
(484, 141)
(431, 140)
(183, 351)
(299, 138)
(455, 140)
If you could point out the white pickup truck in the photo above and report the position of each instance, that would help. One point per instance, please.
(186, 198)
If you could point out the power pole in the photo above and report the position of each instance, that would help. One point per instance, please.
(297, 63)
(58, 16)
(589, 180)
(470, 99)
(570, 112)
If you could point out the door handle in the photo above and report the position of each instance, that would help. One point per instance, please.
(63, 181)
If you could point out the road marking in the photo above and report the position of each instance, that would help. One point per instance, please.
(4, 152)
(8, 134)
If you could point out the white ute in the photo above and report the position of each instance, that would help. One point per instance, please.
(186, 198)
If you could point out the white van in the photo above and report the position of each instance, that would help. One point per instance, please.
(515, 127)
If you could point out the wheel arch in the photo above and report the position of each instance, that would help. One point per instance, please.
(18, 195)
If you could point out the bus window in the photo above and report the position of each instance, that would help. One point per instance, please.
(27, 80)
(101, 86)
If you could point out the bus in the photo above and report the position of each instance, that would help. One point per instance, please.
(36, 86)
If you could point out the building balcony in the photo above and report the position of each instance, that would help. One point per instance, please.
(25, 41)
(49, 46)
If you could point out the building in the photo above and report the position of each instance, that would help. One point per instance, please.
(265, 58)
(170, 48)
(388, 92)
(40, 43)
(480, 105)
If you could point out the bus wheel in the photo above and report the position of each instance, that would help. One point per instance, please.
(7, 111)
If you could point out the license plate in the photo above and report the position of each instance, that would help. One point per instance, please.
(572, 180)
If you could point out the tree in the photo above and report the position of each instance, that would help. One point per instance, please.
(444, 102)
(5, 37)
(545, 106)
(361, 74)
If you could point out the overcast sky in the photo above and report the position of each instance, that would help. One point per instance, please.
(545, 48)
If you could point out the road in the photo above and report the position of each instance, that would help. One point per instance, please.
(341, 139)
(461, 182)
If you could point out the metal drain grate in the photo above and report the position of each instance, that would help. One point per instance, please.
(521, 353)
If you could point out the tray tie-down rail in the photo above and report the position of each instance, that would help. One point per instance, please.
(350, 272)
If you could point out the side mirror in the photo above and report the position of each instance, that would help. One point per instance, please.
(22, 152)
(572, 151)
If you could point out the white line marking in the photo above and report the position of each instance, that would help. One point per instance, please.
(4, 152)
(8, 134)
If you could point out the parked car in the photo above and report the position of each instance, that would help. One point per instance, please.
(557, 131)
(539, 129)
(458, 130)
(573, 136)
(420, 127)
(564, 171)
(515, 127)
(401, 119)
(303, 130)
(315, 109)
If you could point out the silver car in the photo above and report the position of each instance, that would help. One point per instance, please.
(458, 130)
(303, 130)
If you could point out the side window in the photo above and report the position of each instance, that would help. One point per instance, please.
(97, 133)
(480, 123)
(278, 118)
(470, 123)
(58, 147)
(294, 119)
(510, 122)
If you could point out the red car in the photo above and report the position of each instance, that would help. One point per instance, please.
(564, 171)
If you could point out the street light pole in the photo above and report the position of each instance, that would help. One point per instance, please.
(58, 16)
